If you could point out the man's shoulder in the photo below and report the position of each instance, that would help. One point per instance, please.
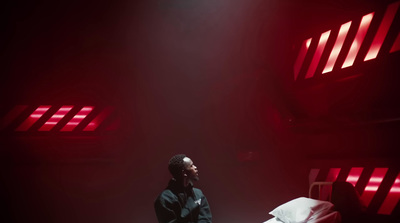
(166, 194)
(197, 191)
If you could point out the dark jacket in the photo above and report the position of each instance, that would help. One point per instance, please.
(177, 204)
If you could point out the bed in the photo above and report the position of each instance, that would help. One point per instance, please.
(327, 202)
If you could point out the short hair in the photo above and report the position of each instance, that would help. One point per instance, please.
(175, 165)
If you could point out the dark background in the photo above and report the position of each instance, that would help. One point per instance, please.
(211, 79)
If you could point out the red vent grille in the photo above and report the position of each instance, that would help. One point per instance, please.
(368, 182)
(351, 53)
(65, 118)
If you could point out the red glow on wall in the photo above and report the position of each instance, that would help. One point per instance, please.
(12, 115)
(33, 118)
(382, 31)
(358, 40)
(98, 119)
(312, 176)
(55, 118)
(77, 119)
(300, 58)
(396, 44)
(354, 175)
(373, 185)
(392, 198)
(344, 29)
(332, 174)
(318, 53)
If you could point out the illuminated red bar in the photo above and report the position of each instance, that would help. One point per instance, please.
(396, 44)
(354, 175)
(12, 115)
(33, 118)
(318, 53)
(331, 177)
(98, 119)
(300, 58)
(344, 29)
(358, 40)
(53, 121)
(332, 174)
(373, 185)
(71, 125)
(382, 31)
(312, 176)
(391, 199)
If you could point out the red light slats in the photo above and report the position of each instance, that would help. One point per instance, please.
(391, 199)
(53, 121)
(12, 115)
(318, 53)
(373, 185)
(396, 44)
(354, 175)
(300, 58)
(382, 31)
(98, 119)
(32, 119)
(344, 29)
(71, 125)
(331, 177)
(332, 174)
(358, 40)
(312, 176)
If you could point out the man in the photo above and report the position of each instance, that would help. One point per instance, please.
(180, 201)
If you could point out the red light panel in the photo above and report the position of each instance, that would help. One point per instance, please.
(358, 40)
(333, 174)
(344, 29)
(53, 121)
(382, 31)
(396, 44)
(318, 53)
(312, 176)
(373, 185)
(302, 55)
(71, 125)
(392, 198)
(12, 115)
(98, 119)
(33, 118)
(354, 175)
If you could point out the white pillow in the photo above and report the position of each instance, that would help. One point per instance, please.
(299, 210)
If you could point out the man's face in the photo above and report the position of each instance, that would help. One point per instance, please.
(190, 169)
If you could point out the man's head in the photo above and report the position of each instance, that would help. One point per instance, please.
(182, 167)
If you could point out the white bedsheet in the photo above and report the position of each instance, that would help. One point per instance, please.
(332, 217)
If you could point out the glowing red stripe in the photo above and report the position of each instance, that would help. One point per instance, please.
(358, 40)
(382, 31)
(71, 125)
(32, 119)
(373, 185)
(396, 44)
(12, 115)
(332, 174)
(300, 58)
(312, 176)
(98, 119)
(344, 29)
(47, 126)
(318, 53)
(331, 177)
(392, 198)
(354, 175)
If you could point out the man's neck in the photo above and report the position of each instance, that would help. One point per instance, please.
(187, 182)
